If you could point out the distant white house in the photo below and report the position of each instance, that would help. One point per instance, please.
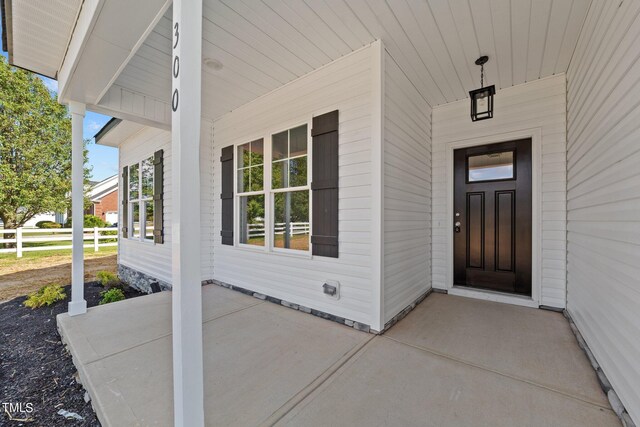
(59, 217)
(104, 204)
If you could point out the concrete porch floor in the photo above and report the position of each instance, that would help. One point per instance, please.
(452, 361)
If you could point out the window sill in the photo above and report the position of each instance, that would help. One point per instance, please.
(144, 242)
(277, 251)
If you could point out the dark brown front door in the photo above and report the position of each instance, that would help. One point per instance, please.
(492, 217)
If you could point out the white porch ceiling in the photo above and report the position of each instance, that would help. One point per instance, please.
(264, 44)
(40, 32)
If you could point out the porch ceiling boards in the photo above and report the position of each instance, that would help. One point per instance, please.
(265, 44)
(40, 32)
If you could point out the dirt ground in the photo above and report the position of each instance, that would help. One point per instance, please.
(20, 277)
(35, 367)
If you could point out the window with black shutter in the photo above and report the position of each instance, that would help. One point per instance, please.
(142, 200)
(274, 174)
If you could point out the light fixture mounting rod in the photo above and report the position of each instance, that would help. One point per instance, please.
(481, 61)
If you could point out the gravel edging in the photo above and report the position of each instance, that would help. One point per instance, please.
(612, 396)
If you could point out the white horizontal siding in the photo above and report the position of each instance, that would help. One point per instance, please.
(407, 191)
(538, 104)
(603, 193)
(344, 85)
(155, 259)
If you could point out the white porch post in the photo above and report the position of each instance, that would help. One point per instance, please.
(78, 305)
(188, 401)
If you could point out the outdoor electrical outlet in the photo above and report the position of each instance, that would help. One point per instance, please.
(331, 289)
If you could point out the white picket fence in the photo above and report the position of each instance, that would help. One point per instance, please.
(258, 229)
(29, 235)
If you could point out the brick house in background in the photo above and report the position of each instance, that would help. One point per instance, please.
(104, 199)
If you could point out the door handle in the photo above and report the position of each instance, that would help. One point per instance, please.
(457, 227)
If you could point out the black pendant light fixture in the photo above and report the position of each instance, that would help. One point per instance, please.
(482, 99)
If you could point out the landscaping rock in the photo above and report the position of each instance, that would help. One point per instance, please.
(70, 415)
(290, 305)
(627, 421)
(615, 402)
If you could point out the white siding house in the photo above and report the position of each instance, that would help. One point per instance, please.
(603, 193)
(385, 85)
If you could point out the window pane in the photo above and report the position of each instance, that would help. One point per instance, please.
(252, 230)
(298, 172)
(148, 220)
(244, 158)
(244, 180)
(257, 174)
(135, 219)
(134, 182)
(298, 141)
(147, 177)
(279, 149)
(291, 220)
(280, 174)
(491, 167)
(257, 152)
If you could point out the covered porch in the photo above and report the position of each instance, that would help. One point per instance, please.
(452, 361)
(386, 83)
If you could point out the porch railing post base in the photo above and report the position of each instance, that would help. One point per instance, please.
(77, 307)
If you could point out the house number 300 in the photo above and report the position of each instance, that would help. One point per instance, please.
(175, 98)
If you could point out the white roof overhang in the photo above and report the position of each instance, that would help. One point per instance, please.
(116, 131)
(37, 33)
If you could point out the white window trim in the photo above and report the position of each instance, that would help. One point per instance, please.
(269, 192)
(142, 201)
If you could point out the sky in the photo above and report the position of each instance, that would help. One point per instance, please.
(102, 160)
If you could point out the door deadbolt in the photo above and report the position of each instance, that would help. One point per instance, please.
(457, 226)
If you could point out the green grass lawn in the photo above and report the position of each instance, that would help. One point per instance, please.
(88, 253)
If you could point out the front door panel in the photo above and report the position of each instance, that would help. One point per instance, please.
(492, 217)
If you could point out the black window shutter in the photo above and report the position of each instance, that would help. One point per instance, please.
(226, 160)
(324, 185)
(158, 197)
(125, 201)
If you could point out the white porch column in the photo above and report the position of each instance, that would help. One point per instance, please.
(188, 401)
(78, 305)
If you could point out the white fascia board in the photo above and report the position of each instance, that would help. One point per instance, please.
(84, 25)
(129, 117)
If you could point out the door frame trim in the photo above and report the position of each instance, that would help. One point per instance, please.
(536, 215)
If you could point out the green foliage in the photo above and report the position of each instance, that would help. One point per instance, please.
(108, 279)
(46, 295)
(47, 224)
(112, 295)
(35, 148)
(94, 221)
(90, 221)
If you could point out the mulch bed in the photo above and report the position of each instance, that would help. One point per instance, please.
(35, 366)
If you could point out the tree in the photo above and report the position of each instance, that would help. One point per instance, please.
(35, 148)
